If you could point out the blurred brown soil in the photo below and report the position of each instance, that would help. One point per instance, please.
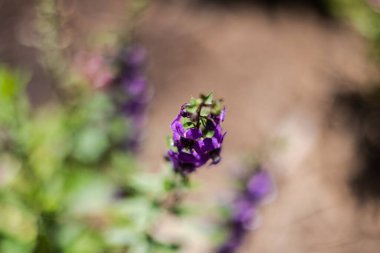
(278, 73)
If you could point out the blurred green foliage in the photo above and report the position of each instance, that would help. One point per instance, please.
(67, 184)
(364, 16)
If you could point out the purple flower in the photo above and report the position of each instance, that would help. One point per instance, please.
(244, 210)
(134, 56)
(197, 135)
(130, 92)
(259, 186)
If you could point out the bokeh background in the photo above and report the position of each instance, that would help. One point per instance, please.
(300, 83)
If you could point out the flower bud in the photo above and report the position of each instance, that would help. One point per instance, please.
(197, 135)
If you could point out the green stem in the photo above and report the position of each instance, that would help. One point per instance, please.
(46, 241)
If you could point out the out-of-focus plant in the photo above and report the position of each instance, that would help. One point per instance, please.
(364, 15)
(66, 185)
(69, 178)
(254, 184)
(131, 93)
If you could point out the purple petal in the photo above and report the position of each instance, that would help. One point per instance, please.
(183, 111)
(218, 134)
(133, 108)
(173, 156)
(220, 117)
(135, 56)
(193, 133)
(193, 158)
(187, 158)
(243, 212)
(259, 185)
(209, 144)
(177, 129)
(222, 114)
(211, 126)
(227, 248)
(135, 86)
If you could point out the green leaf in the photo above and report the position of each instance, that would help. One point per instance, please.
(205, 111)
(91, 143)
(121, 236)
(8, 245)
(210, 134)
(187, 123)
(89, 193)
(46, 140)
(11, 83)
(13, 102)
(18, 223)
(207, 99)
(86, 242)
(169, 141)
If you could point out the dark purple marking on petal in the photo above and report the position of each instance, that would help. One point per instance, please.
(210, 144)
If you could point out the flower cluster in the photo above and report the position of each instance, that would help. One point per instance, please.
(197, 134)
(244, 210)
(130, 91)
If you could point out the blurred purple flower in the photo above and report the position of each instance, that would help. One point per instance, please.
(244, 210)
(126, 84)
(131, 92)
(197, 135)
(259, 186)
